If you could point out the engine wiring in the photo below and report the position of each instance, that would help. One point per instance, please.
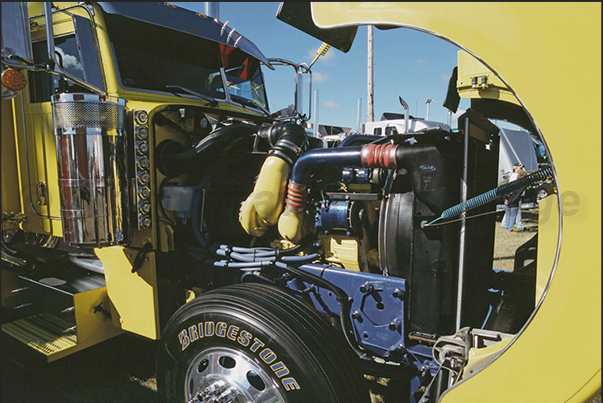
(254, 259)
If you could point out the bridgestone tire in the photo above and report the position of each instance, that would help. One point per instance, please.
(255, 343)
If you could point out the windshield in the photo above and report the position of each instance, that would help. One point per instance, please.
(150, 57)
(245, 80)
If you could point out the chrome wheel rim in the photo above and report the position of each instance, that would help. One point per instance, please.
(228, 376)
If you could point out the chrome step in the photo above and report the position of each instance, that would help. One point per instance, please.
(44, 332)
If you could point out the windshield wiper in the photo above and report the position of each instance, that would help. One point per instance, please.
(212, 101)
(248, 102)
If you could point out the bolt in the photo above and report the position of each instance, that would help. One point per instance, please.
(397, 293)
(366, 287)
(356, 316)
(213, 389)
(227, 396)
(395, 325)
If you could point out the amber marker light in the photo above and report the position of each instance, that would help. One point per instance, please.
(13, 80)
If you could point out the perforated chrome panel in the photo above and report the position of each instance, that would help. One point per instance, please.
(92, 161)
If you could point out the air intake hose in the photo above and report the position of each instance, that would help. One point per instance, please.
(292, 224)
(287, 139)
(173, 159)
(265, 204)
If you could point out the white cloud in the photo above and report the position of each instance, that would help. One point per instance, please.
(421, 61)
(69, 61)
(320, 77)
(445, 77)
(331, 105)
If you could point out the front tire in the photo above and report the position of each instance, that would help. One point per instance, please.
(255, 343)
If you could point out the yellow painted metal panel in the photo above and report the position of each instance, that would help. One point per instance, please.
(478, 357)
(39, 118)
(93, 326)
(470, 68)
(342, 250)
(32, 168)
(133, 295)
(549, 55)
(11, 201)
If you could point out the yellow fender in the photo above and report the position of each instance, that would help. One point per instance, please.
(542, 51)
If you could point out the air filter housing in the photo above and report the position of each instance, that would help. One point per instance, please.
(90, 132)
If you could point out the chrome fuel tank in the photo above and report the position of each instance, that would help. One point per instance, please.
(90, 132)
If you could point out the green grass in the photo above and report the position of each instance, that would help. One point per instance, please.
(506, 244)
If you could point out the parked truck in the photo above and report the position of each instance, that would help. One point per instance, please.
(147, 189)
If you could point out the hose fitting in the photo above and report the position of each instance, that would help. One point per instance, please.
(288, 140)
(297, 197)
(379, 156)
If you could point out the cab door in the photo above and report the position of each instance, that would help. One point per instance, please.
(75, 53)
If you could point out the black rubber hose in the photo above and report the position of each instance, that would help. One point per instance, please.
(173, 159)
(222, 136)
(288, 140)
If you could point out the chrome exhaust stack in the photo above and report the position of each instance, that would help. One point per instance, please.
(91, 142)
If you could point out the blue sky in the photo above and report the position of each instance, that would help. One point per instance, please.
(406, 63)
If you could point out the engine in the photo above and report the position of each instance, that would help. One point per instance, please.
(351, 213)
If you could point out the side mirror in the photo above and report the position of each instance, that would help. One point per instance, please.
(297, 110)
(16, 38)
(17, 49)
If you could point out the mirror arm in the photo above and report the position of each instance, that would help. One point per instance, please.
(49, 35)
(50, 65)
(300, 68)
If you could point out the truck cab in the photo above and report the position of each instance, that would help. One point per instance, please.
(119, 87)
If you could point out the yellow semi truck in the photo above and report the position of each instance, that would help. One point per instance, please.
(147, 188)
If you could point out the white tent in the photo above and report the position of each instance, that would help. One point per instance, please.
(515, 146)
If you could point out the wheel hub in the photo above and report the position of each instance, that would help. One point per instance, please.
(225, 375)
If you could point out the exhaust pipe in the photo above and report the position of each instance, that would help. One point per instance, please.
(405, 106)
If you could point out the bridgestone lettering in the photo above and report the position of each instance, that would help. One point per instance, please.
(243, 338)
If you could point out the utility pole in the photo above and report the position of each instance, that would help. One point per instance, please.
(315, 124)
(370, 74)
(359, 119)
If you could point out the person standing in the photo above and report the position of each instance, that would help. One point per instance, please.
(517, 168)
